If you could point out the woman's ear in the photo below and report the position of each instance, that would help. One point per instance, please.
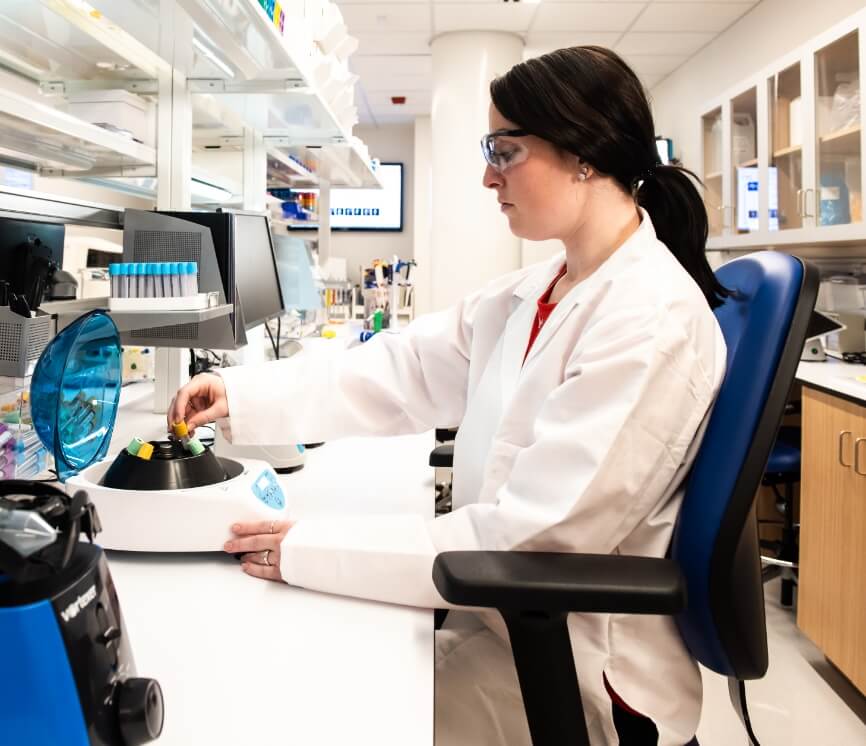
(583, 170)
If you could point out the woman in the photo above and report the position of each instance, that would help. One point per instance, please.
(580, 385)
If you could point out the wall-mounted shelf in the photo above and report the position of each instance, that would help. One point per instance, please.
(69, 310)
(28, 205)
(59, 40)
(58, 144)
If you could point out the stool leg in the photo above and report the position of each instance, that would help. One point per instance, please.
(789, 547)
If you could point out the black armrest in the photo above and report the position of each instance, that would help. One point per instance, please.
(442, 456)
(445, 434)
(558, 582)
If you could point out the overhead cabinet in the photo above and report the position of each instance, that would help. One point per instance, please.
(782, 151)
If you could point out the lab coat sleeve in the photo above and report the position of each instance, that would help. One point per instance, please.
(607, 444)
(394, 384)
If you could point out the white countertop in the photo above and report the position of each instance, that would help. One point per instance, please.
(835, 375)
(244, 661)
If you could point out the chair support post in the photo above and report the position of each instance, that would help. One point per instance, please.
(548, 680)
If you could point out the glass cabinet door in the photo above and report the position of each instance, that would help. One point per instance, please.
(785, 176)
(837, 197)
(745, 181)
(712, 135)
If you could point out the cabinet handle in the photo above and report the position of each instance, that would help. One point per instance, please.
(857, 456)
(842, 446)
(806, 194)
(800, 209)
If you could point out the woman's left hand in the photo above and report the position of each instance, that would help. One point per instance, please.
(260, 544)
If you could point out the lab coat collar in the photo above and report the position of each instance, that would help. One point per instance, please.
(519, 325)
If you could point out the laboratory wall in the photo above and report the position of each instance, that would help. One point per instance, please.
(772, 29)
(392, 143)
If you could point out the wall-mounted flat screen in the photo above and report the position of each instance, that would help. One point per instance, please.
(369, 209)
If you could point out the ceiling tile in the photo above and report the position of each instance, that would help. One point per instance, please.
(385, 17)
(663, 43)
(384, 43)
(482, 17)
(394, 73)
(538, 43)
(655, 64)
(650, 80)
(372, 66)
(595, 16)
(696, 16)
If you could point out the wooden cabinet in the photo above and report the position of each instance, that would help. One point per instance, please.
(832, 587)
(782, 151)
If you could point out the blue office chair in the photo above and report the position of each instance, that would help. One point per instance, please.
(711, 581)
(783, 468)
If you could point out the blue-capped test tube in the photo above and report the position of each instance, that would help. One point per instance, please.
(123, 280)
(170, 279)
(192, 278)
(150, 280)
(165, 276)
(157, 280)
(134, 272)
(113, 280)
(174, 279)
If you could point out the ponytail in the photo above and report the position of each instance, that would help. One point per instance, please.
(680, 221)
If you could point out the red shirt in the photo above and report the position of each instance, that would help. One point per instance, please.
(545, 308)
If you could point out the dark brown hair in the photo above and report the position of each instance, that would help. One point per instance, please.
(587, 101)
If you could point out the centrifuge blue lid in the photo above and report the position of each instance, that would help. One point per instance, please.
(75, 391)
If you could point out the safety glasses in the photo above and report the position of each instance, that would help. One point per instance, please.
(501, 151)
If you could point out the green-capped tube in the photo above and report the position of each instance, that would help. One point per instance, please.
(195, 447)
(134, 446)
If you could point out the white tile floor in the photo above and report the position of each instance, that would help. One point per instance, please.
(802, 701)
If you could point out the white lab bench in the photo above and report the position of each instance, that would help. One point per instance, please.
(835, 377)
(243, 661)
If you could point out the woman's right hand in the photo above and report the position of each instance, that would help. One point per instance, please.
(202, 400)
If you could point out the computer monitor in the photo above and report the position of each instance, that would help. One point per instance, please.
(256, 269)
(245, 255)
(29, 253)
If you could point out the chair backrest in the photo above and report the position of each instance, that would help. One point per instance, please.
(715, 541)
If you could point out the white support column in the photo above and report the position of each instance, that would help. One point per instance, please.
(464, 63)
(324, 233)
(173, 167)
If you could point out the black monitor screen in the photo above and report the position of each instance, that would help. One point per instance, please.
(256, 269)
(29, 253)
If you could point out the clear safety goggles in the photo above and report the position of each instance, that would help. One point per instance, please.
(501, 151)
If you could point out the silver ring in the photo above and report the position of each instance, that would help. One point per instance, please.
(272, 526)
(266, 557)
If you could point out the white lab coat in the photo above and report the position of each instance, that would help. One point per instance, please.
(581, 448)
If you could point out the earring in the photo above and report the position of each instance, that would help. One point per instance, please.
(583, 175)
